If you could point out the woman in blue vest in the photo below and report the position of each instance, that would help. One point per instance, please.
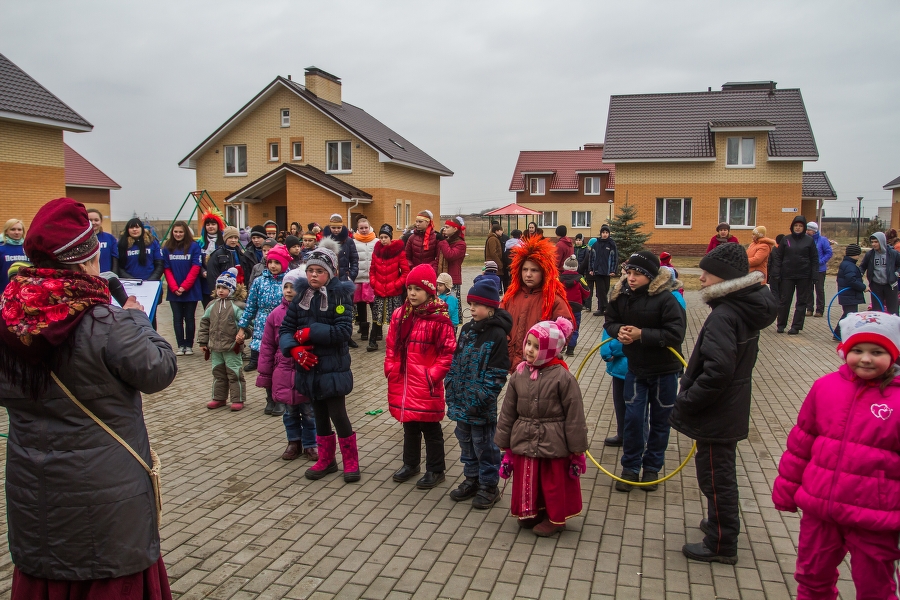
(140, 256)
(181, 255)
(12, 250)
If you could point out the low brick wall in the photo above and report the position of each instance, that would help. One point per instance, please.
(678, 249)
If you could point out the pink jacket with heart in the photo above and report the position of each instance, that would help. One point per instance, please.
(842, 461)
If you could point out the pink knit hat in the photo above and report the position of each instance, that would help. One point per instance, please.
(279, 253)
(552, 336)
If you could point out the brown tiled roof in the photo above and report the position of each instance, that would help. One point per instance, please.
(381, 137)
(749, 123)
(817, 185)
(565, 165)
(309, 172)
(892, 184)
(24, 99)
(676, 126)
(81, 173)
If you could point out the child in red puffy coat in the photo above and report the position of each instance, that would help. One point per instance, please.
(842, 465)
(420, 346)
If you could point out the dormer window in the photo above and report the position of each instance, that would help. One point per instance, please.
(536, 186)
(285, 117)
(740, 152)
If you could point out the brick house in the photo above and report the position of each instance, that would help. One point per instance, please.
(299, 153)
(88, 184)
(32, 151)
(691, 160)
(570, 187)
(894, 186)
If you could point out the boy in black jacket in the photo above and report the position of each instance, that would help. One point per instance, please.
(476, 376)
(648, 320)
(713, 406)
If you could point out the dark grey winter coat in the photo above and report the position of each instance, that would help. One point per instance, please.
(79, 505)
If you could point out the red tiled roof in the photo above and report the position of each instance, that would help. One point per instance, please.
(81, 173)
(565, 166)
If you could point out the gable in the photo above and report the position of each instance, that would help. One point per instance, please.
(24, 99)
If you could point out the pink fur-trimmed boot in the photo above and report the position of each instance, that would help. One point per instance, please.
(326, 463)
(350, 454)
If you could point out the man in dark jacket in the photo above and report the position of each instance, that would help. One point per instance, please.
(796, 268)
(713, 406)
(564, 246)
(644, 315)
(253, 255)
(850, 285)
(880, 265)
(770, 268)
(604, 266)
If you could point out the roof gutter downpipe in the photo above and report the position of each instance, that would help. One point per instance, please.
(349, 212)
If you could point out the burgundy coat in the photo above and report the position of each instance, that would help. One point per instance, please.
(450, 258)
(417, 393)
(276, 370)
(416, 253)
(842, 462)
(389, 268)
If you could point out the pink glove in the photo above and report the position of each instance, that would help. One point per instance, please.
(302, 335)
(506, 466)
(304, 357)
(577, 465)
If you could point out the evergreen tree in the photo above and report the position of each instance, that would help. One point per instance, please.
(626, 231)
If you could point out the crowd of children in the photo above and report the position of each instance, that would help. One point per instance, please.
(302, 321)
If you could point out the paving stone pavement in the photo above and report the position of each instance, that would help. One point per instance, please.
(241, 523)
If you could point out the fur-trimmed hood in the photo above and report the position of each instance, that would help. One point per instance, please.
(720, 290)
(342, 236)
(746, 296)
(391, 250)
(665, 281)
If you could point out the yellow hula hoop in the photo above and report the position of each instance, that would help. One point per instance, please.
(593, 460)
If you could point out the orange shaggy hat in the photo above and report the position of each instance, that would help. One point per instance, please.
(542, 252)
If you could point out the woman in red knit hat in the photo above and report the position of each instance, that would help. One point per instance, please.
(420, 346)
(83, 519)
(451, 252)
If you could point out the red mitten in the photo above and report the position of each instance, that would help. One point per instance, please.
(303, 357)
(577, 465)
(206, 354)
(302, 335)
(506, 466)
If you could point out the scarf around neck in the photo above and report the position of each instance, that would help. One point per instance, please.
(433, 309)
(364, 239)
(48, 303)
(11, 242)
(534, 369)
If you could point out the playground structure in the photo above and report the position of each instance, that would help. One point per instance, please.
(202, 203)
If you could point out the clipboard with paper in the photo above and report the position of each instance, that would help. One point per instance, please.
(147, 293)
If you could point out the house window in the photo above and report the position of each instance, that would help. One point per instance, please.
(740, 152)
(297, 149)
(235, 160)
(548, 218)
(273, 151)
(738, 212)
(536, 186)
(339, 156)
(581, 218)
(398, 214)
(591, 186)
(673, 212)
(408, 213)
(285, 117)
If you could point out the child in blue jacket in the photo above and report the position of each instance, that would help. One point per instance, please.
(444, 292)
(617, 368)
(849, 279)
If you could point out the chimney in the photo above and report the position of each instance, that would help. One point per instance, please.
(324, 86)
(593, 146)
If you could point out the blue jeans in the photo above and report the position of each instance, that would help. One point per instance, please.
(653, 398)
(300, 424)
(574, 339)
(479, 454)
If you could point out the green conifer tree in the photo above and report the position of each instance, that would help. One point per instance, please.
(625, 230)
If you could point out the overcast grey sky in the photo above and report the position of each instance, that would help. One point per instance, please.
(471, 83)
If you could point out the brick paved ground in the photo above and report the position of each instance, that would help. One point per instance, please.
(241, 523)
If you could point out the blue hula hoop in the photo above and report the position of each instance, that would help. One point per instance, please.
(828, 314)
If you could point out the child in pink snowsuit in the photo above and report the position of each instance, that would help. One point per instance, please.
(842, 466)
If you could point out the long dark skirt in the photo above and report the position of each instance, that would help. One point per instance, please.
(151, 584)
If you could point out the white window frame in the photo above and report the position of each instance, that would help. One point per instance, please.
(398, 215)
(595, 186)
(537, 186)
(740, 156)
(750, 219)
(338, 147)
(294, 154)
(285, 117)
(543, 220)
(274, 151)
(585, 220)
(685, 203)
(408, 214)
(235, 150)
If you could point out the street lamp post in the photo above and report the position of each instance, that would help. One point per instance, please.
(858, 216)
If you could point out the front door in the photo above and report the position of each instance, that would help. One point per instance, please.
(281, 217)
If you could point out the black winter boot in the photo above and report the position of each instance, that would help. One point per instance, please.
(254, 360)
(270, 402)
(363, 331)
(487, 497)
